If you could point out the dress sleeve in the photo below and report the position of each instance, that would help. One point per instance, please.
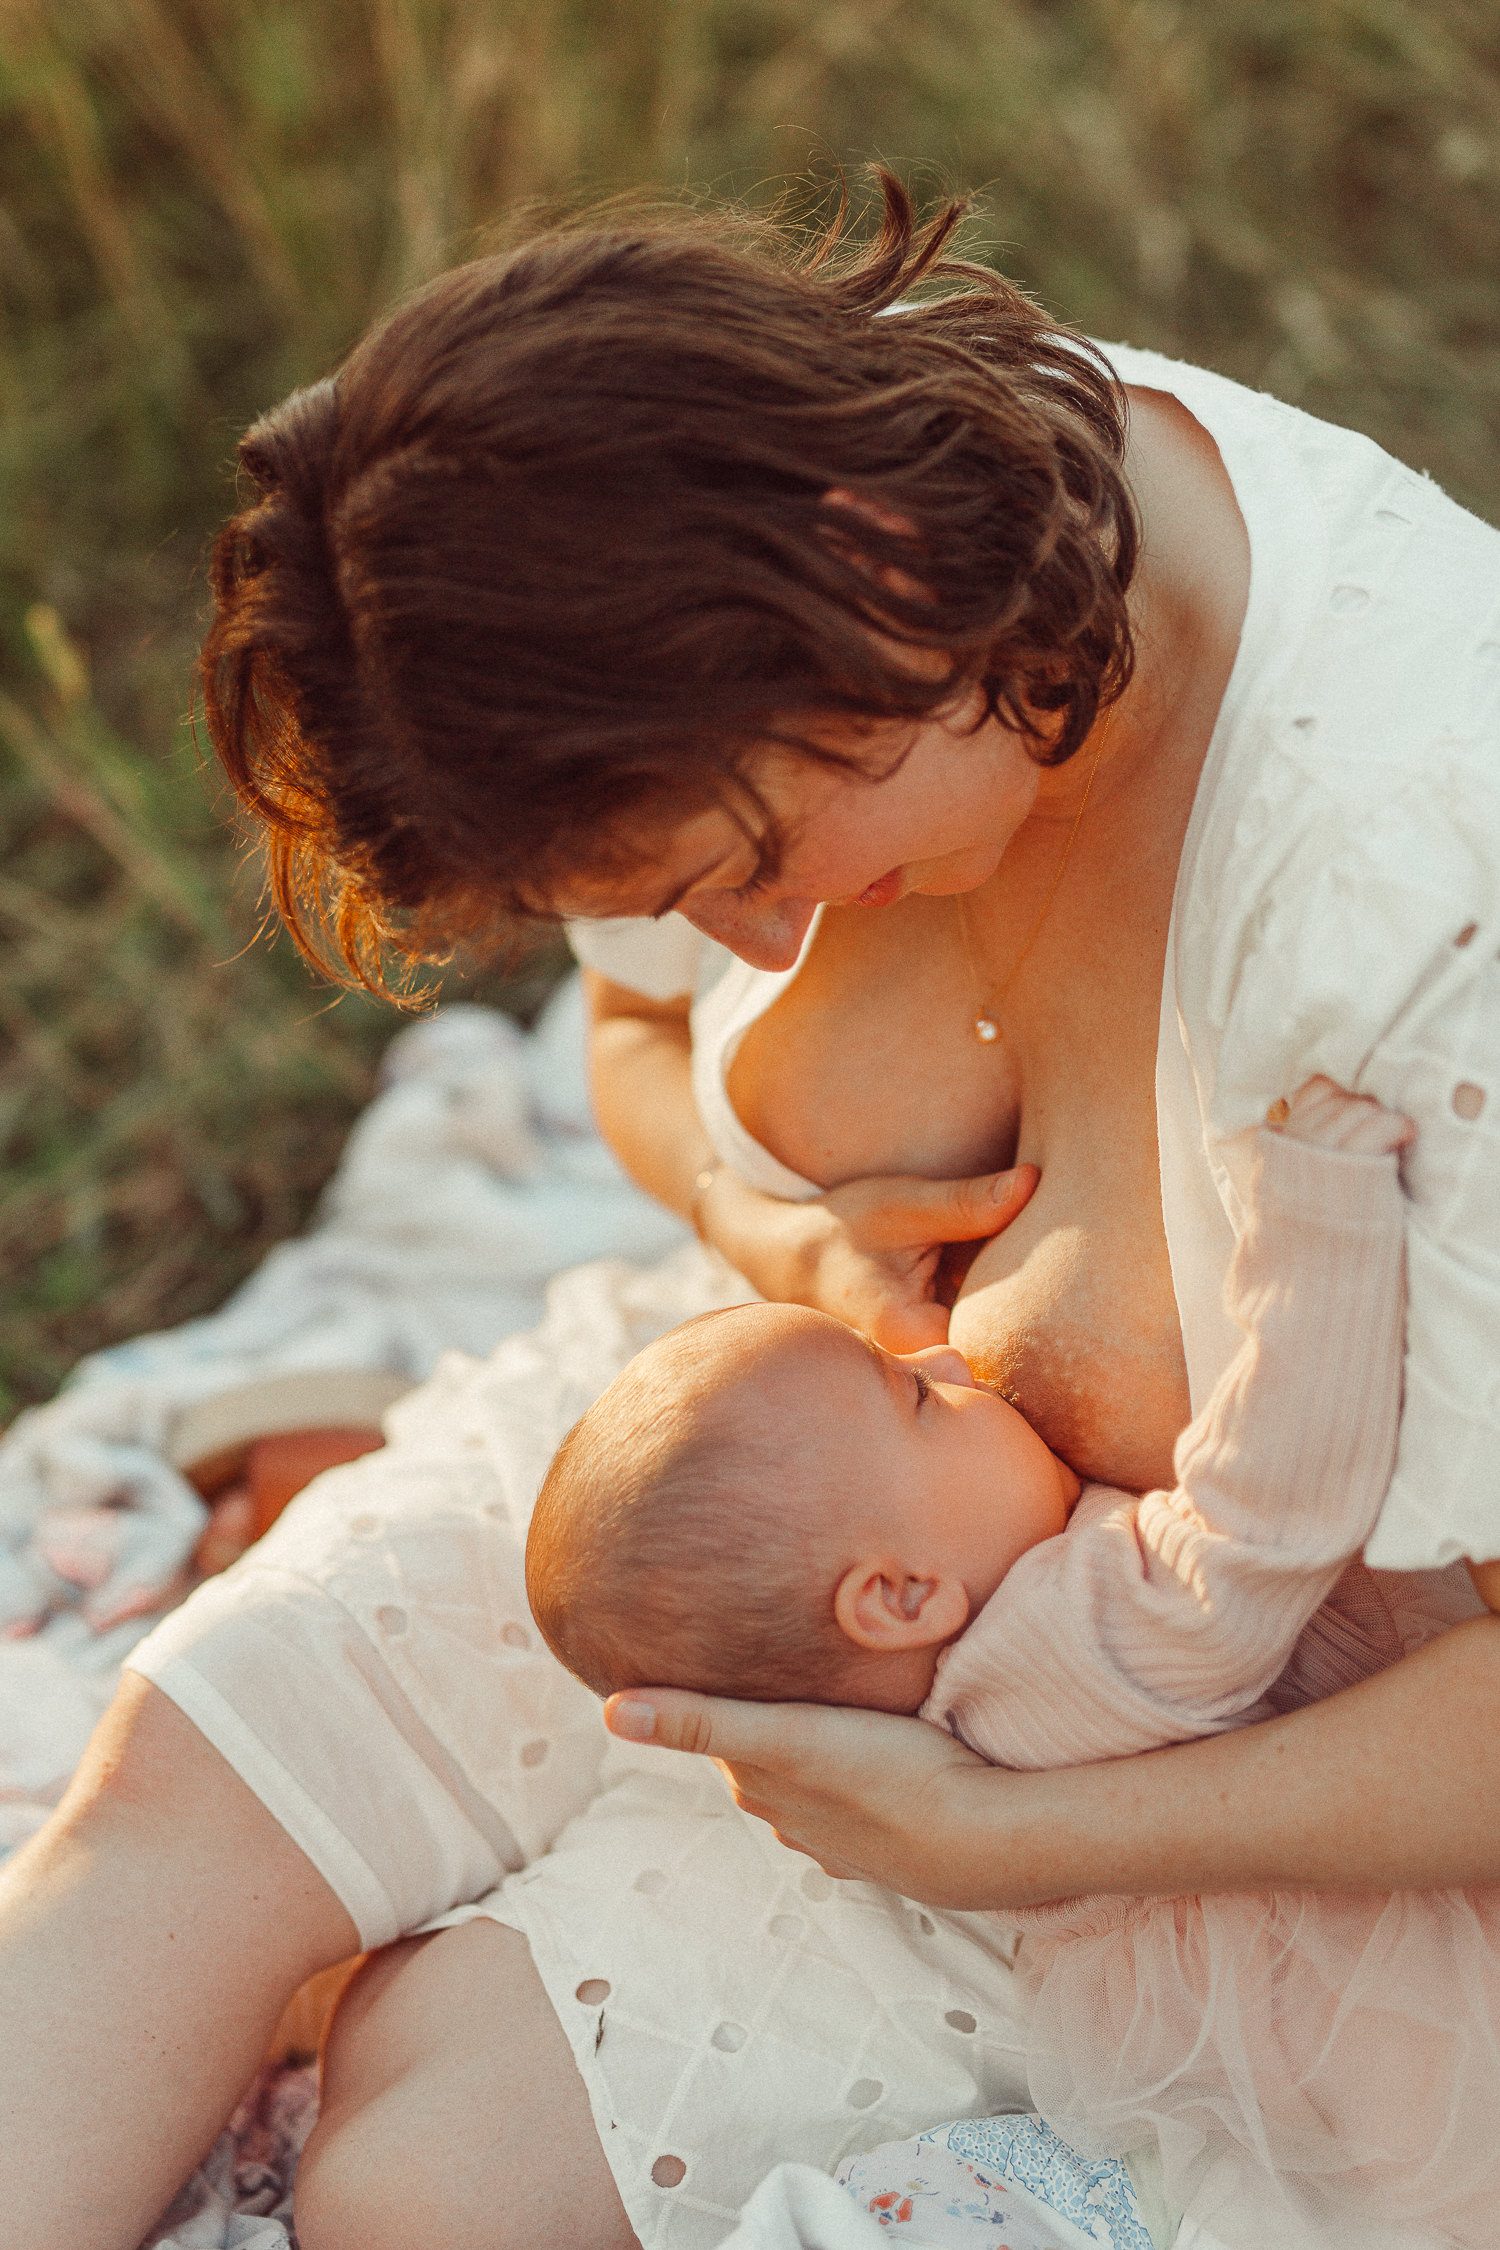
(661, 959)
(1360, 938)
(1152, 1620)
(1441, 1065)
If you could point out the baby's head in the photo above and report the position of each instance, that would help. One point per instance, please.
(767, 1504)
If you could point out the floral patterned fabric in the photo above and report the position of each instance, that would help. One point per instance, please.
(1009, 2182)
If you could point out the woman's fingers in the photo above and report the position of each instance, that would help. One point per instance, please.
(908, 1324)
(869, 1795)
(711, 1726)
(907, 1213)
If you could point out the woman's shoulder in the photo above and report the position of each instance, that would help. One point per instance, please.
(1338, 527)
(1347, 832)
(1346, 879)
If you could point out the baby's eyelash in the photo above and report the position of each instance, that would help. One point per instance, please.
(924, 1387)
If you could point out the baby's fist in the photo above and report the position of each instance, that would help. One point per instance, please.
(1328, 1116)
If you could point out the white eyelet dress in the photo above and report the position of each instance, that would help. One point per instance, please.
(370, 1668)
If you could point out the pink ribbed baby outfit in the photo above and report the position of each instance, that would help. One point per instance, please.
(1318, 2071)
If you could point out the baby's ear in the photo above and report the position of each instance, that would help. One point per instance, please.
(880, 1605)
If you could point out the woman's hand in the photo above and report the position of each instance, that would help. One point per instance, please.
(868, 1252)
(1389, 1786)
(869, 1796)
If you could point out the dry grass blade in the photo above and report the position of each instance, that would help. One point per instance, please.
(76, 796)
(145, 50)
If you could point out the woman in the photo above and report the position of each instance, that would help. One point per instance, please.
(641, 573)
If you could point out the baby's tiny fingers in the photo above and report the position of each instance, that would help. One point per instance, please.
(1329, 1116)
(1374, 1132)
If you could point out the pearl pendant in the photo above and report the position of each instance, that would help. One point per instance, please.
(986, 1030)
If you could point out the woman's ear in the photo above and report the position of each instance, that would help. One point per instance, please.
(881, 1606)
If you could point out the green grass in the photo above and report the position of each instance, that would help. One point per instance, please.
(202, 202)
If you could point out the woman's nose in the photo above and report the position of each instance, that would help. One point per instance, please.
(768, 933)
(943, 1364)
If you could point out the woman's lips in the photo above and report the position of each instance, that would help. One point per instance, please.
(883, 891)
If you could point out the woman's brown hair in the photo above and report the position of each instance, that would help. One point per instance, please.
(554, 555)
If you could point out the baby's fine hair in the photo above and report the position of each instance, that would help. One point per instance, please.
(670, 1545)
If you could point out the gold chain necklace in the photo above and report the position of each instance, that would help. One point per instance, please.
(986, 1024)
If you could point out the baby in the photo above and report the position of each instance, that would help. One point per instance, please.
(766, 1504)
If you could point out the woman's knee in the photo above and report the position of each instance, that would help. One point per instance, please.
(454, 2113)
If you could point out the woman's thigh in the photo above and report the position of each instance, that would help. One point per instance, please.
(453, 2113)
(150, 1936)
(728, 2007)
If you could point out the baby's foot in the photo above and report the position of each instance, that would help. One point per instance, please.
(1328, 1116)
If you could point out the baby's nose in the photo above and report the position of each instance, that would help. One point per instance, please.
(943, 1364)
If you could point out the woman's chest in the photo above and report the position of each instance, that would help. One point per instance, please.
(868, 1065)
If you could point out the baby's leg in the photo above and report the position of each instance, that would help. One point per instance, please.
(453, 2111)
(150, 1936)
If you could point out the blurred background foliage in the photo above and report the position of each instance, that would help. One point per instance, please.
(202, 203)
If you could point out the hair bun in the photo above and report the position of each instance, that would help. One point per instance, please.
(291, 450)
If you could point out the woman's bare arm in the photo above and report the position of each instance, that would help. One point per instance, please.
(640, 1081)
(867, 1252)
(1392, 1785)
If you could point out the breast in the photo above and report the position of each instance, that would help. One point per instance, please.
(1071, 1315)
(867, 1065)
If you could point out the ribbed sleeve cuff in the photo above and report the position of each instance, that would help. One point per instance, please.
(1333, 1187)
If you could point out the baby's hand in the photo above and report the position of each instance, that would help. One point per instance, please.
(1327, 1116)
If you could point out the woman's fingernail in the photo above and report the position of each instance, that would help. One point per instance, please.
(1006, 1182)
(636, 1721)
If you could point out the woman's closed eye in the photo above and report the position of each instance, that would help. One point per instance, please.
(924, 1388)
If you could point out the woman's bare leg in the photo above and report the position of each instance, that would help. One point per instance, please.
(150, 1936)
(454, 2117)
